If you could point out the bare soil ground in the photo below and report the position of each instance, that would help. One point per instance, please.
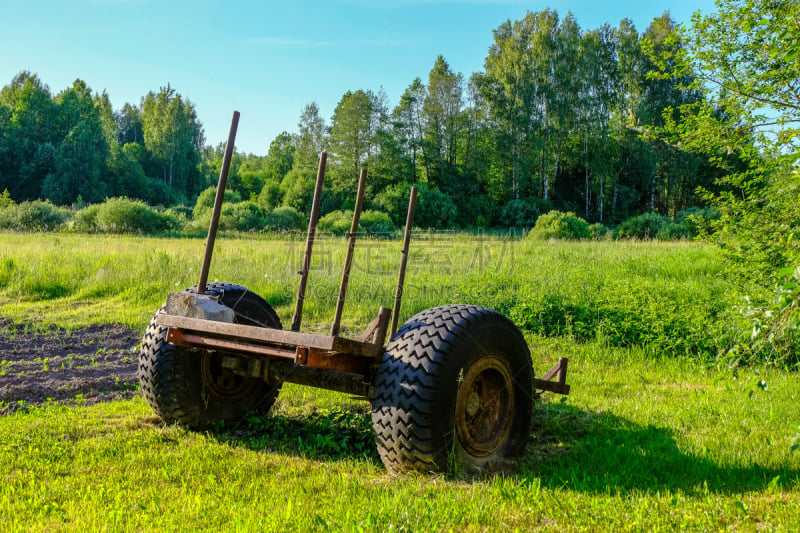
(48, 364)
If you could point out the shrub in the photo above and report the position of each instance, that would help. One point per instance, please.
(284, 219)
(675, 231)
(434, 208)
(205, 201)
(36, 215)
(339, 222)
(336, 222)
(245, 216)
(560, 225)
(376, 222)
(599, 232)
(523, 213)
(85, 220)
(271, 196)
(698, 219)
(123, 215)
(644, 226)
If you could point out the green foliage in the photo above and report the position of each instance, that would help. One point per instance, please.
(746, 54)
(336, 222)
(375, 223)
(6, 200)
(284, 219)
(123, 215)
(523, 213)
(85, 220)
(674, 231)
(299, 187)
(35, 215)
(646, 226)
(205, 201)
(560, 225)
(244, 216)
(271, 195)
(434, 208)
(599, 232)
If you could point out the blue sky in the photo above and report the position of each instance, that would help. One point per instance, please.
(269, 59)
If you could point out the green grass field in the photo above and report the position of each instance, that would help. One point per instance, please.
(653, 436)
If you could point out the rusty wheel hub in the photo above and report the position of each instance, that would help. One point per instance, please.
(485, 407)
(223, 383)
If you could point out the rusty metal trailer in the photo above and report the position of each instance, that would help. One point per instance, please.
(453, 385)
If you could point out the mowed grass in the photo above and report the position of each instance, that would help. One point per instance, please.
(651, 437)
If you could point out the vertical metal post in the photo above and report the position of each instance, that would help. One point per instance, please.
(312, 229)
(401, 277)
(348, 260)
(223, 180)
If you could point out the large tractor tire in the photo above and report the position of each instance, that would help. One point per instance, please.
(190, 386)
(454, 390)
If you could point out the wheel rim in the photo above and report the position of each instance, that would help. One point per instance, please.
(484, 407)
(221, 382)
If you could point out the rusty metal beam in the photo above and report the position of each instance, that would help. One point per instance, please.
(215, 214)
(558, 371)
(346, 382)
(259, 335)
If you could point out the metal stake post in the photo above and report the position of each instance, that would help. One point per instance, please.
(223, 180)
(312, 229)
(401, 277)
(348, 261)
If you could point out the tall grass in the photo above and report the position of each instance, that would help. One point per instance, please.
(666, 297)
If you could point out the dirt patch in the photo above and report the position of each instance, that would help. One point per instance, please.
(46, 364)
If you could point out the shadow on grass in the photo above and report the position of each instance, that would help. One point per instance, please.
(337, 434)
(569, 448)
(589, 452)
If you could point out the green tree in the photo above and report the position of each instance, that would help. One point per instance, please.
(129, 125)
(312, 138)
(407, 122)
(354, 126)
(29, 136)
(80, 161)
(173, 136)
(441, 115)
(746, 57)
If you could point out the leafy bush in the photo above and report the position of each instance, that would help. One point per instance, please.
(271, 196)
(434, 209)
(244, 216)
(599, 232)
(123, 215)
(644, 226)
(339, 222)
(284, 219)
(336, 222)
(523, 213)
(675, 231)
(181, 212)
(698, 219)
(205, 201)
(36, 215)
(85, 220)
(376, 222)
(560, 225)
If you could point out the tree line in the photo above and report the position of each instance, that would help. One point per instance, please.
(560, 118)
